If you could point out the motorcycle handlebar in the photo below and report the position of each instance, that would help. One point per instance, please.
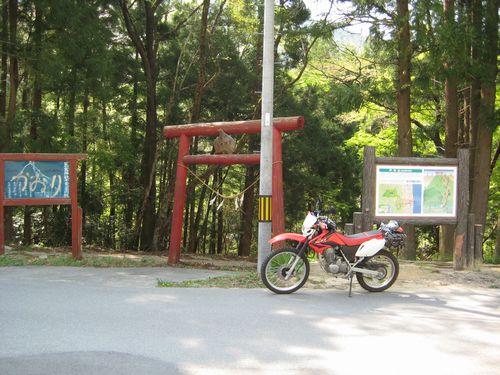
(330, 224)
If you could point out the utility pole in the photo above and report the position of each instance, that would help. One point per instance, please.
(266, 136)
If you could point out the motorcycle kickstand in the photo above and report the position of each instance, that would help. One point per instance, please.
(350, 285)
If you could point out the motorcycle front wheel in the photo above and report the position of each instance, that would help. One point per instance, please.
(387, 267)
(275, 275)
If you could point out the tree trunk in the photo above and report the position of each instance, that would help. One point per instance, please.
(28, 231)
(129, 172)
(27, 220)
(213, 225)
(204, 227)
(13, 69)
(83, 169)
(450, 91)
(112, 212)
(190, 229)
(447, 232)
(70, 116)
(487, 121)
(4, 35)
(194, 231)
(165, 201)
(247, 208)
(195, 215)
(202, 62)
(220, 231)
(147, 49)
(475, 11)
(464, 135)
(497, 244)
(405, 143)
(37, 84)
(110, 240)
(150, 141)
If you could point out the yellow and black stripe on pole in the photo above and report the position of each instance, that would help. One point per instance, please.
(265, 207)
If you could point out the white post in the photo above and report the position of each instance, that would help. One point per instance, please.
(266, 135)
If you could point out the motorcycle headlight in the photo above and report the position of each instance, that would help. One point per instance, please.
(308, 224)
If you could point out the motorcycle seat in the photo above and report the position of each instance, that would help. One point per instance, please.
(359, 238)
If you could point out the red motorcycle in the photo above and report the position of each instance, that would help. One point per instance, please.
(363, 254)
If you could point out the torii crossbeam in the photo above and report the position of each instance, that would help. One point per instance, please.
(185, 132)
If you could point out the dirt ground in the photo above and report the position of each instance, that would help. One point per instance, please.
(421, 273)
(411, 273)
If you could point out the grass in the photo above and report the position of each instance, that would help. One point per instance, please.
(25, 256)
(240, 280)
(98, 257)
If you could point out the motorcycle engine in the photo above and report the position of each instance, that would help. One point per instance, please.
(331, 262)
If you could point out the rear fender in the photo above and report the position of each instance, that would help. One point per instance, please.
(288, 236)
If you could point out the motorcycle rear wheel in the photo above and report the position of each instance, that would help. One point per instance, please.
(274, 270)
(388, 268)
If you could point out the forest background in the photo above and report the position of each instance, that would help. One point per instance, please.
(103, 78)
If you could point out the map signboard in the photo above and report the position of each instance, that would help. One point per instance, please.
(416, 191)
(36, 179)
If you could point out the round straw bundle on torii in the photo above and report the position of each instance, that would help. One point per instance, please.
(224, 143)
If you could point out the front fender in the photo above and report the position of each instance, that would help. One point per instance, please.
(288, 236)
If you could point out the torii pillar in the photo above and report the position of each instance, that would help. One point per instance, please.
(186, 132)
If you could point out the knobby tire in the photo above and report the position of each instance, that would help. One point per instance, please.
(274, 269)
(367, 282)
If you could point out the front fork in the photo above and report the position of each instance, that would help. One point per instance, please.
(302, 247)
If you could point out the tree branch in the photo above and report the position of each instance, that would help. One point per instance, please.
(157, 4)
(132, 31)
(181, 23)
(434, 137)
(495, 158)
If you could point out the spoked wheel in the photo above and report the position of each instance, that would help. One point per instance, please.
(387, 268)
(276, 275)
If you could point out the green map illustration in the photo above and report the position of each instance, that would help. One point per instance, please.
(439, 194)
(397, 199)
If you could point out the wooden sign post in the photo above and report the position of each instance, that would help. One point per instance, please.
(40, 180)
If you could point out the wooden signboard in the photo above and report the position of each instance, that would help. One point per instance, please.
(38, 180)
(421, 191)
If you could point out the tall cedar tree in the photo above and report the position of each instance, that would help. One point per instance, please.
(147, 47)
(447, 232)
(405, 142)
(487, 121)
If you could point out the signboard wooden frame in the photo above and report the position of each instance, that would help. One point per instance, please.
(371, 163)
(463, 222)
(53, 181)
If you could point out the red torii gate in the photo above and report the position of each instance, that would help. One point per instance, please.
(185, 132)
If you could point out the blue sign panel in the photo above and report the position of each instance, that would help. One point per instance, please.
(36, 179)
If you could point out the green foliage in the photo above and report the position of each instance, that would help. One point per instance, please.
(94, 95)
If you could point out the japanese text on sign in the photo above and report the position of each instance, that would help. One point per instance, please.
(36, 179)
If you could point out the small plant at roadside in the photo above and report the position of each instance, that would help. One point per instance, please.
(240, 280)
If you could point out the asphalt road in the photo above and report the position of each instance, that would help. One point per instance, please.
(116, 321)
